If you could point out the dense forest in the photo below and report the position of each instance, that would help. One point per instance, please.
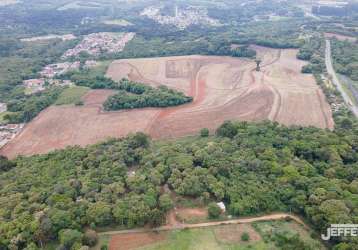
(345, 58)
(253, 168)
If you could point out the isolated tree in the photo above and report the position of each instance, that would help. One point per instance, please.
(204, 132)
(214, 210)
(245, 236)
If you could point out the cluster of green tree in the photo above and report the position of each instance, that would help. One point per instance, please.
(131, 94)
(253, 168)
(312, 50)
(243, 51)
(25, 108)
(136, 95)
(345, 58)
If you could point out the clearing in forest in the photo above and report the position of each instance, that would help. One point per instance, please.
(223, 88)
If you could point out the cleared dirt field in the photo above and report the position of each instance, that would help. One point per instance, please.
(191, 215)
(135, 240)
(232, 233)
(224, 88)
(229, 88)
(61, 126)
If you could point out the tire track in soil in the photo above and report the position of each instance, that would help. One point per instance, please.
(197, 91)
(277, 94)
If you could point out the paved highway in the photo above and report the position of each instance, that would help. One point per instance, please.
(330, 71)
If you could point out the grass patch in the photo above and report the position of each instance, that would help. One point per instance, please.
(99, 70)
(268, 229)
(71, 95)
(209, 239)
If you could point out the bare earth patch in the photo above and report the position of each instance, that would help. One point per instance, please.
(224, 88)
(191, 215)
(135, 240)
(231, 234)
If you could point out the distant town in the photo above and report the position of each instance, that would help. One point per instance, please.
(97, 43)
(182, 19)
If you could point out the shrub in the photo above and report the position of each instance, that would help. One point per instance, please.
(79, 103)
(245, 236)
(214, 210)
(204, 132)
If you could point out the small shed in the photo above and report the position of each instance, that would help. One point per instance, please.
(222, 206)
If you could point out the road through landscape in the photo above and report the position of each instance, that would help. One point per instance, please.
(276, 216)
(336, 82)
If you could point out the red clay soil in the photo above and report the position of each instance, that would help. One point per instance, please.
(231, 234)
(223, 88)
(133, 241)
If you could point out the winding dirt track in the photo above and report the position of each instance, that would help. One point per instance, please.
(223, 88)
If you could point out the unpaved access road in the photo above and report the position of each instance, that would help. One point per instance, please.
(276, 216)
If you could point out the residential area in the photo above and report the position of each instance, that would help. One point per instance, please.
(57, 69)
(183, 18)
(97, 43)
(8, 132)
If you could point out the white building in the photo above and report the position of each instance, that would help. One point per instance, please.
(222, 206)
(3, 107)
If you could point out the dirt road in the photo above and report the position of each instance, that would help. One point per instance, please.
(330, 70)
(276, 216)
